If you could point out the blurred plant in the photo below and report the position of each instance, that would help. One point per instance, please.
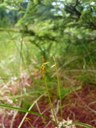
(66, 124)
(63, 29)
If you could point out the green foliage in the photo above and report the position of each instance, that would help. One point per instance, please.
(18, 109)
(66, 24)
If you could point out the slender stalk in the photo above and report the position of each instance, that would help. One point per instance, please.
(22, 121)
(59, 88)
(50, 102)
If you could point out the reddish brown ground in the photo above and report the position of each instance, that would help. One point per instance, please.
(80, 106)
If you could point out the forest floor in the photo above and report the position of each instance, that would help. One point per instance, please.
(79, 106)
